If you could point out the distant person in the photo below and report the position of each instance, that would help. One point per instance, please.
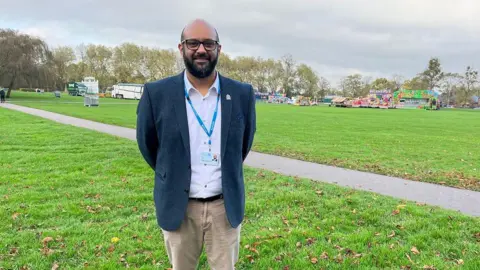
(2, 95)
(195, 130)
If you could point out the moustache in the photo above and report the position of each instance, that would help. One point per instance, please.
(202, 56)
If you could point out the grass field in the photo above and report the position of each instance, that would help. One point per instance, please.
(90, 205)
(432, 146)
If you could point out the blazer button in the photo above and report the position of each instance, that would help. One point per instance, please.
(187, 191)
(189, 166)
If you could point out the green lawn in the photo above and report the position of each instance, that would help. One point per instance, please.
(64, 203)
(431, 146)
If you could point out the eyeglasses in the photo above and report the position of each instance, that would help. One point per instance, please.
(194, 44)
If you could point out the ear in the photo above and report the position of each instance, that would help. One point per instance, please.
(219, 49)
(180, 48)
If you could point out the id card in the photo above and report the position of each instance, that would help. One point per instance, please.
(209, 158)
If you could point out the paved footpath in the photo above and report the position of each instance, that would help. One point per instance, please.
(465, 201)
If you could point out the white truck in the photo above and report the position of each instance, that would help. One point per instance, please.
(91, 84)
(127, 91)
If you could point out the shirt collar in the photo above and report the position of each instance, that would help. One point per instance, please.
(216, 83)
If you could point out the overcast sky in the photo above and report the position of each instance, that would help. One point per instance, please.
(337, 38)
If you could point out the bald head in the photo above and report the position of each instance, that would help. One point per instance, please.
(199, 27)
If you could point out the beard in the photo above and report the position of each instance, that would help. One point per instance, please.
(200, 71)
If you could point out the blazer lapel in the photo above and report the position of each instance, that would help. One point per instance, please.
(181, 111)
(226, 109)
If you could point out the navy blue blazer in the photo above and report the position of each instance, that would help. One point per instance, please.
(163, 140)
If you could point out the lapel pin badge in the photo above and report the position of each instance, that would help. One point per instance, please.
(229, 97)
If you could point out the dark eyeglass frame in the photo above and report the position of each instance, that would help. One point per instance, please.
(193, 48)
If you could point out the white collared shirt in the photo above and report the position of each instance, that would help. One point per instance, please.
(206, 179)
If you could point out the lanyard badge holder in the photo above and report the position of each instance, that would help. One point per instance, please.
(207, 158)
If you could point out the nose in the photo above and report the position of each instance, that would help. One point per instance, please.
(201, 49)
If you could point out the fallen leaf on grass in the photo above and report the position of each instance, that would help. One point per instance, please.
(310, 241)
(287, 267)
(261, 174)
(339, 258)
(415, 250)
(46, 251)
(13, 251)
(400, 227)
(429, 267)
(55, 266)
(46, 240)
(407, 267)
(144, 217)
(250, 258)
(477, 235)
(135, 209)
(324, 256)
(254, 250)
(314, 260)
(392, 235)
(409, 259)
(377, 234)
(299, 245)
(421, 204)
(15, 216)
(319, 192)
(111, 248)
(392, 246)
(395, 212)
(459, 261)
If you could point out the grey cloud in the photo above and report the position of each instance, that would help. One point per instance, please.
(336, 37)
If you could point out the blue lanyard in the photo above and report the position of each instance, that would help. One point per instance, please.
(200, 121)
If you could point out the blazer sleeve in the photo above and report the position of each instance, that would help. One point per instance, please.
(251, 125)
(146, 132)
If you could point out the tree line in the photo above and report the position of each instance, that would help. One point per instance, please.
(27, 61)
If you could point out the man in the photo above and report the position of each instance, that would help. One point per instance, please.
(2, 95)
(195, 130)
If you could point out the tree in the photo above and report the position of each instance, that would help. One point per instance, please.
(24, 59)
(433, 75)
(289, 74)
(352, 86)
(158, 63)
(307, 81)
(383, 84)
(450, 84)
(63, 57)
(397, 81)
(469, 81)
(323, 87)
(416, 83)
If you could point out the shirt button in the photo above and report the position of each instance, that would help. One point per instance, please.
(205, 185)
